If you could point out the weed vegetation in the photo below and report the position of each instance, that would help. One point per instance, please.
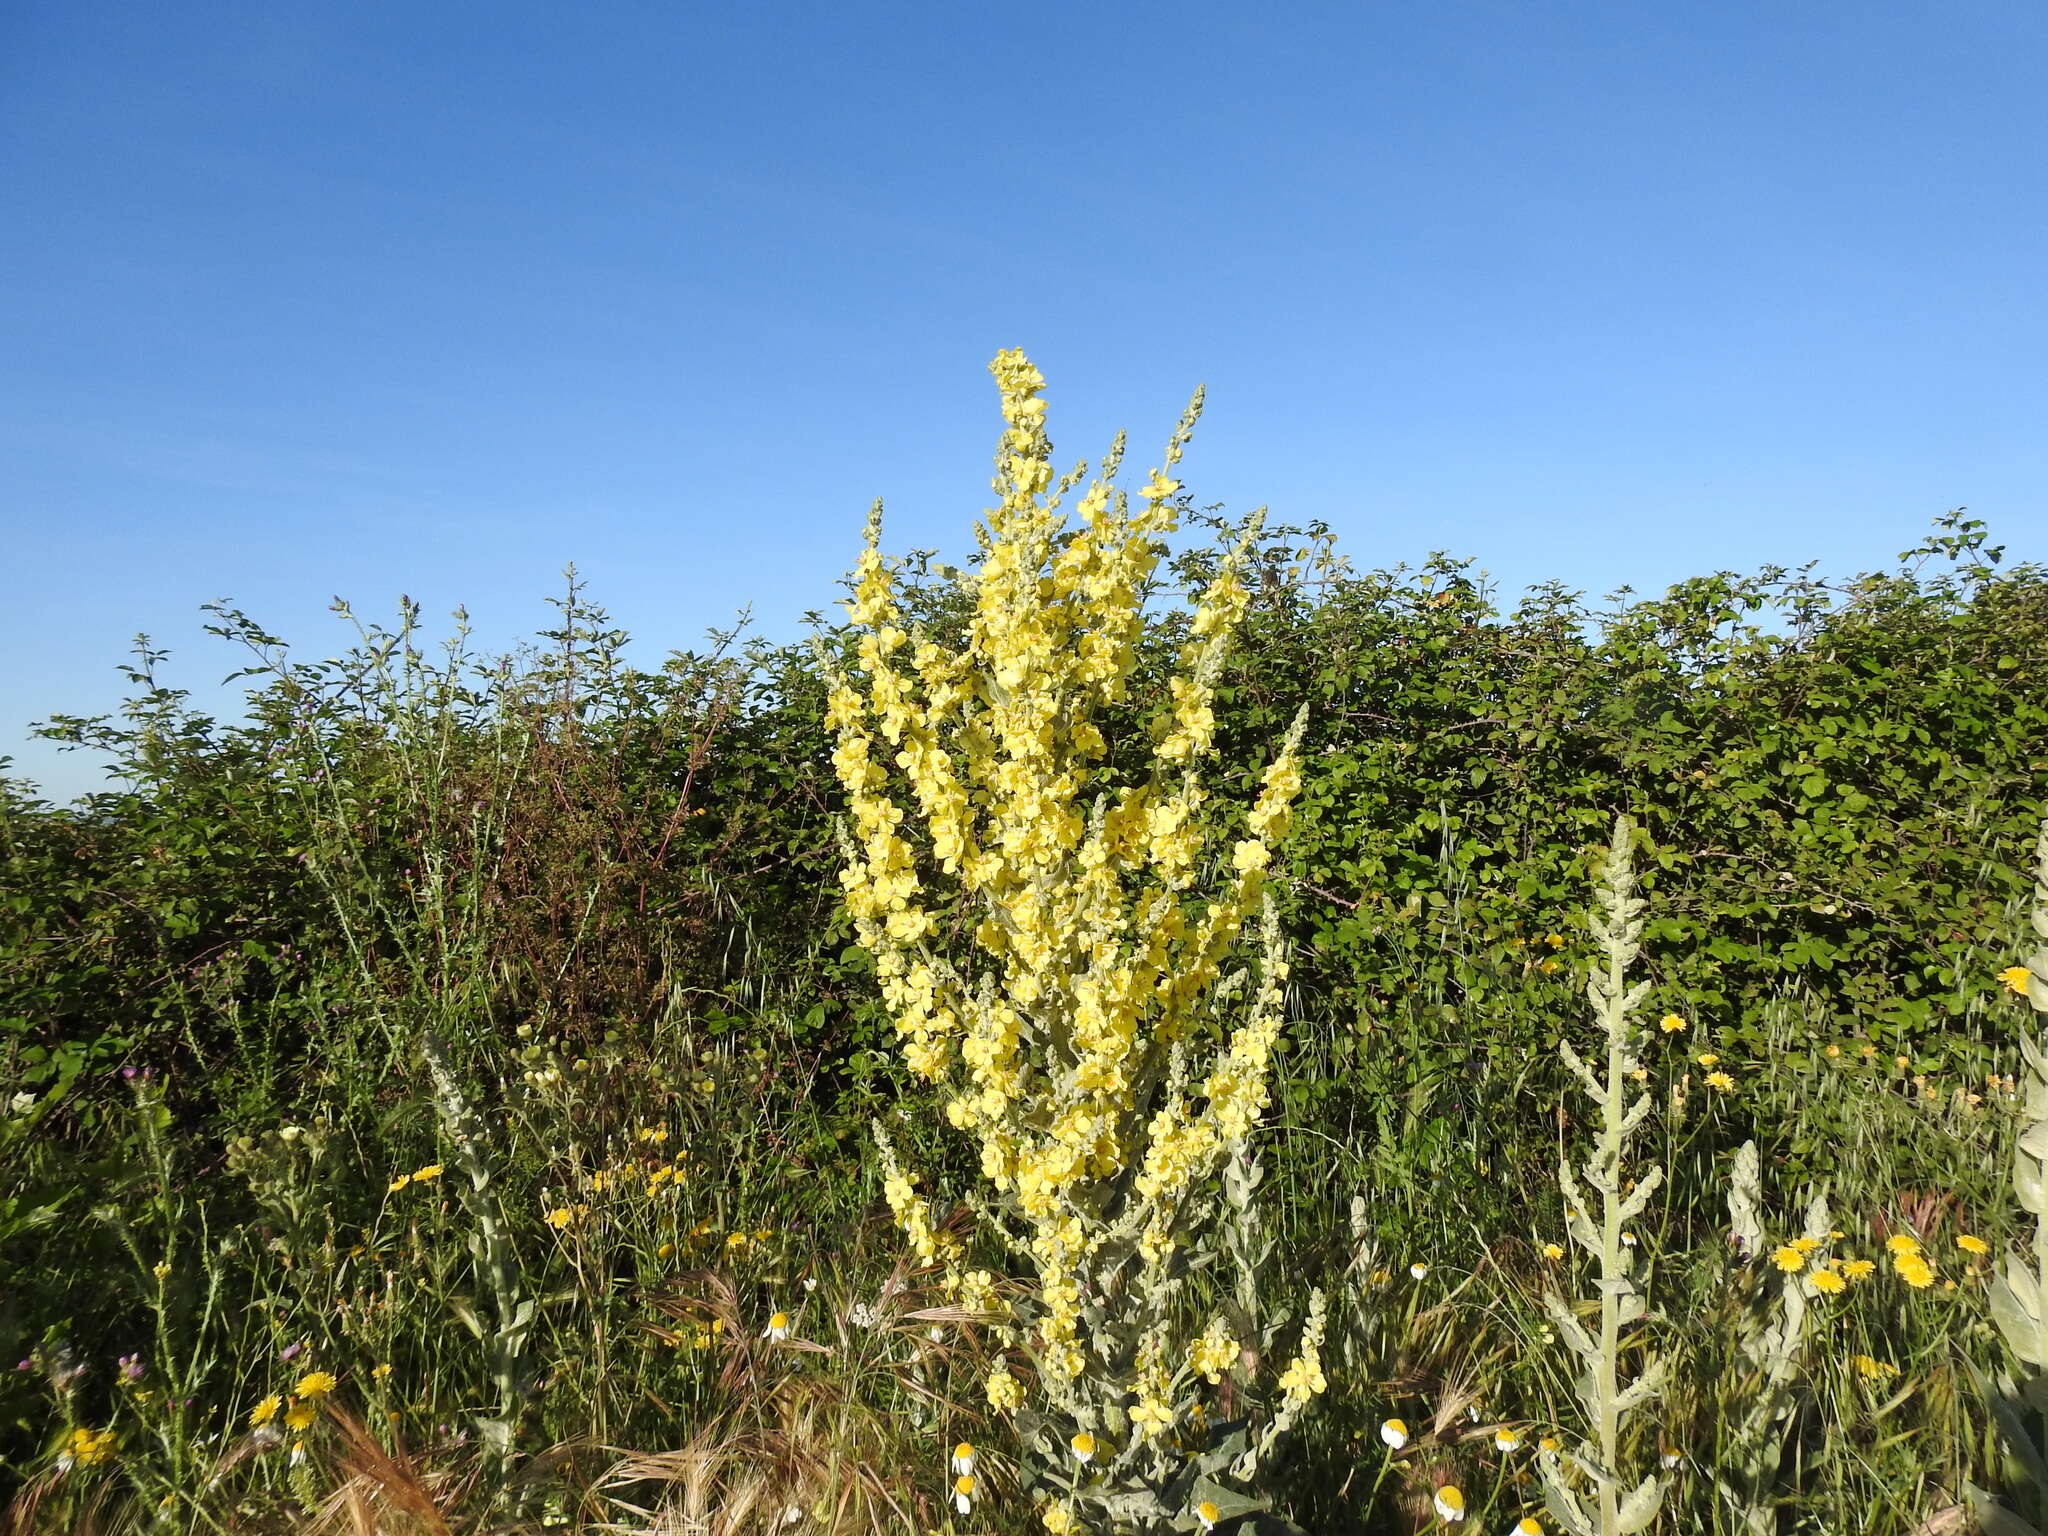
(1142, 1033)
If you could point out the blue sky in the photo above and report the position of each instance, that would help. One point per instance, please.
(365, 298)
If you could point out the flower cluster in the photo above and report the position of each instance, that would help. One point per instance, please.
(1103, 907)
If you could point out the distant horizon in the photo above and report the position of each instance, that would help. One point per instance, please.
(70, 775)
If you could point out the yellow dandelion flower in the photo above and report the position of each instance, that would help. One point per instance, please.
(1671, 1024)
(1901, 1244)
(265, 1411)
(1720, 1082)
(561, 1218)
(1789, 1259)
(1804, 1244)
(1915, 1271)
(300, 1416)
(397, 1184)
(1827, 1282)
(314, 1384)
(1553, 1251)
(1873, 1370)
(1970, 1244)
(2015, 978)
(1708, 1059)
(1858, 1269)
(428, 1174)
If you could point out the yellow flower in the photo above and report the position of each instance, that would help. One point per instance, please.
(1671, 1024)
(665, 1251)
(397, 1184)
(1083, 1446)
(1721, 1082)
(1548, 967)
(778, 1327)
(561, 1218)
(427, 1174)
(1827, 1282)
(1553, 1251)
(2015, 978)
(1058, 1519)
(1550, 1443)
(1901, 1244)
(1450, 1504)
(1832, 1051)
(1789, 1259)
(1208, 1514)
(88, 1448)
(1872, 1370)
(1858, 1269)
(1505, 1439)
(382, 1372)
(963, 1493)
(1708, 1059)
(265, 1411)
(963, 1458)
(1554, 940)
(1970, 1244)
(1395, 1433)
(1915, 1271)
(161, 1271)
(1005, 1392)
(1527, 1526)
(1418, 1270)
(314, 1384)
(300, 1416)
(1805, 1244)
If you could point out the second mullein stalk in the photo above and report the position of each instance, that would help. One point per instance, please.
(2019, 1292)
(1614, 1509)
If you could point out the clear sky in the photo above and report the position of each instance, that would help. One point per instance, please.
(368, 298)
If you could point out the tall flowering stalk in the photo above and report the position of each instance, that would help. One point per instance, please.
(1089, 1038)
(1600, 1227)
(2019, 1293)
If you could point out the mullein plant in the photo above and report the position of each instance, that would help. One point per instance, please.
(1602, 1229)
(1093, 1037)
(1770, 1337)
(2019, 1292)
